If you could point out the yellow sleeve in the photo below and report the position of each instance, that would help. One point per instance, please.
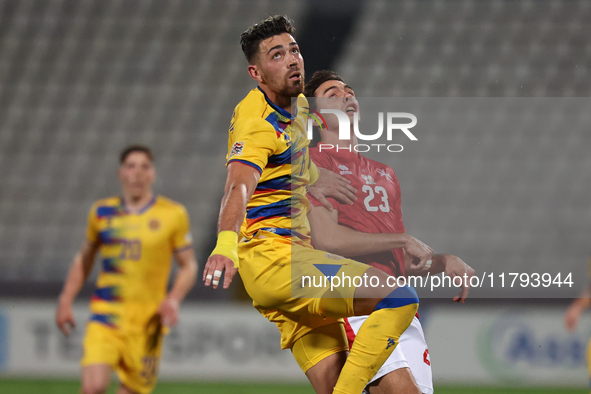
(313, 173)
(252, 141)
(92, 228)
(181, 237)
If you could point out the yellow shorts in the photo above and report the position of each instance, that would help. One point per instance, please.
(127, 354)
(320, 343)
(278, 276)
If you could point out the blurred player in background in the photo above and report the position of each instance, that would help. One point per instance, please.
(265, 202)
(573, 315)
(371, 231)
(137, 235)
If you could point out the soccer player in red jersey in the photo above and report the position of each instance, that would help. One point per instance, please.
(370, 231)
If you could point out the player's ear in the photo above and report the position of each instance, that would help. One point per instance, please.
(314, 122)
(254, 72)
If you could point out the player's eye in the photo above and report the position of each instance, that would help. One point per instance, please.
(277, 55)
(295, 50)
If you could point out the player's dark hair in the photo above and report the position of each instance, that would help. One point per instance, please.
(318, 78)
(272, 26)
(135, 148)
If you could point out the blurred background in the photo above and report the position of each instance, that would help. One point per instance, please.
(81, 79)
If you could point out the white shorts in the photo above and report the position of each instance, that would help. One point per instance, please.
(411, 352)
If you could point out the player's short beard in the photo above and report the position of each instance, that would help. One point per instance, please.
(285, 87)
(293, 89)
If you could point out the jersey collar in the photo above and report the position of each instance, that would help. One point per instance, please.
(345, 154)
(283, 112)
(142, 210)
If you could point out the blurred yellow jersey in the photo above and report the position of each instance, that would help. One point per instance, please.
(272, 141)
(136, 257)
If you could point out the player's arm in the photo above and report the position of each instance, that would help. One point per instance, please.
(325, 183)
(330, 236)
(183, 283)
(241, 182)
(79, 271)
(452, 266)
(574, 311)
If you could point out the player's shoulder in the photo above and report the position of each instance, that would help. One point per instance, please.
(253, 109)
(112, 201)
(169, 204)
(108, 206)
(379, 165)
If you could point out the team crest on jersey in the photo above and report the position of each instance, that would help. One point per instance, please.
(154, 224)
(344, 170)
(386, 174)
(237, 149)
(368, 179)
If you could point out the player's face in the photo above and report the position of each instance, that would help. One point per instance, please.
(336, 95)
(281, 65)
(137, 174)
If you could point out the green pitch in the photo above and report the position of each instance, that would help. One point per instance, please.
(14, 386)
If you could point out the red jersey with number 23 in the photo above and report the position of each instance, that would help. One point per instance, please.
(377, 209)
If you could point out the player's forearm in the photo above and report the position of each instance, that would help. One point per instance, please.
(184, 281)
(74, 281)
(584, 300)
(79, 271)
(233, 207)
(350, 243)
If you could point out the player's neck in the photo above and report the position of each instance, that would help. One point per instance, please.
(333, 139)
(134, 204)
(282, 102)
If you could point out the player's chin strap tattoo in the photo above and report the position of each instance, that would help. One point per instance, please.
(154, 331)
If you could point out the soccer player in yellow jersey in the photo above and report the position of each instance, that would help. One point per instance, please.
(265, 205)
(137, 236)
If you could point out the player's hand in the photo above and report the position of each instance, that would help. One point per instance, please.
(216, 264)
(571, 317)
(169, 312)
(418, 251)
(454, 266)
(330, 184)
(64, 317)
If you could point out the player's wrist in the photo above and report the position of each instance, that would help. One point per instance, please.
(64, 299)
(404, 238)
(174, 298)
(227, 246)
